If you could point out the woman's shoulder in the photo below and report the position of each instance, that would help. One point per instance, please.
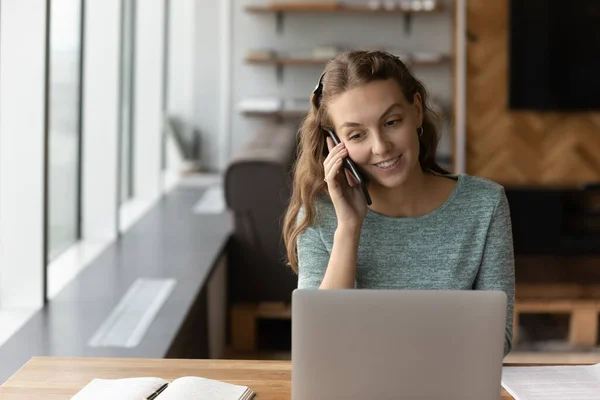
(476, 196)
(481, 189)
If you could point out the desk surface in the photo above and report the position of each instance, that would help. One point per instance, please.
(51, 378)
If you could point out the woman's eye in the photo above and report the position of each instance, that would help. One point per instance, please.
(355, 136)
(392, 123)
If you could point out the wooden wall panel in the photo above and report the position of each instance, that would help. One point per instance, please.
(515, 148)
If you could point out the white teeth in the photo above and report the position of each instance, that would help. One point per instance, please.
(388, 163)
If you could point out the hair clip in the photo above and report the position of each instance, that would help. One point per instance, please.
(318, 92)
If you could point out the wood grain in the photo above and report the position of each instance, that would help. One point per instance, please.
(515, 148)
(52, 378)
(60, 378)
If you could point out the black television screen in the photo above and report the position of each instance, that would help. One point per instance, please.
(554, 55)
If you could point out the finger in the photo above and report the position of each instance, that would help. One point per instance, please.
(351, 181)
(330, 144)
(337, 152)
(331, 174)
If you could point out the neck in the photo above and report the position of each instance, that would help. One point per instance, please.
(405, 200)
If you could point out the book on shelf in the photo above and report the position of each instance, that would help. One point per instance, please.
(262, 54)
(188, 388)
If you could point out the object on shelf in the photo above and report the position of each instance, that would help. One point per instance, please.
(416, 5)
(297, 53)
(326, 51)
(389, 5)
(262, 55)
(366, 6)
(426, 57)
(374, 4)
(323, 54)
(296, 105)
(405, 5)
(260, 105)
(429, 5)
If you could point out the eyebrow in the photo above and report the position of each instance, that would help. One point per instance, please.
(355, 124)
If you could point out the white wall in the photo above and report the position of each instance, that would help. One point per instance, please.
(148, 109)
(22, 159)
(301, 31)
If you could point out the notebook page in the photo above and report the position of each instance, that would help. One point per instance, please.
(192, 388)
(119, 389)
(552, 383)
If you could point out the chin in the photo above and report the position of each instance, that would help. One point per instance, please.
(391, 182)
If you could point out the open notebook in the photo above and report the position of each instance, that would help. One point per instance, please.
(572, 382)
(188, 387)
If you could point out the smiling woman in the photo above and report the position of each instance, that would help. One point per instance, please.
(426, 229)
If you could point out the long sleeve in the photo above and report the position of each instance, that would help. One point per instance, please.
(497, 270)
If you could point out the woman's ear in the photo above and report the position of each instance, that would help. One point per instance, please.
(418, 103)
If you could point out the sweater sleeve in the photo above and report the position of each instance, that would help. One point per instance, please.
(313, 257)
(497, 269)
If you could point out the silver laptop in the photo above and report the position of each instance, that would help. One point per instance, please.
(386, 344)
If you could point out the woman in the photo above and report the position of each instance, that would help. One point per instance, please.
(425, 229)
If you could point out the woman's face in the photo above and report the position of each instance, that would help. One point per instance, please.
(379, 128)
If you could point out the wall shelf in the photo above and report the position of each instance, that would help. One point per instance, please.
(286, 61)
(336, 9)
(315, 61)
(417, 58)
(281, 62)
(280, 115)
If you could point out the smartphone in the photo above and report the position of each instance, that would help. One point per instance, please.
(351, 166)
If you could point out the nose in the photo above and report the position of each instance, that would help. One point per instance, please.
(381, 144)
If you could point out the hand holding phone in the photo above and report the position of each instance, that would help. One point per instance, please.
(346, 191)
(352, 168)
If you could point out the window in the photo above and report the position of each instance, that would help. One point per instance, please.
(64, 139)
(126, 100)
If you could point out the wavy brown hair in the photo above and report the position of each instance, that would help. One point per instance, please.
(346, 71)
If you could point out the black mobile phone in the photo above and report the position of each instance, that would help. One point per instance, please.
(351, 166)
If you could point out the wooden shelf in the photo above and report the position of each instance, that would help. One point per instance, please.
(334, 9)
(316, 61)
(286, 61)
(277, 115)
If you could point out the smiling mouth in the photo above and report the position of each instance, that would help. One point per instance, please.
(388, 163)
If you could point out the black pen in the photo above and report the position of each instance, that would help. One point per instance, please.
(155, 394)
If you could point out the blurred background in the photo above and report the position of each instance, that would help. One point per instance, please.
(146, 149)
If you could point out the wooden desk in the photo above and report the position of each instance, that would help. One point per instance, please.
(52, 378)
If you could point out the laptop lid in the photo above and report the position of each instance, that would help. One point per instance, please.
(386, 344)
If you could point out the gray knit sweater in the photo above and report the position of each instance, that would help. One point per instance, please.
(465, 244)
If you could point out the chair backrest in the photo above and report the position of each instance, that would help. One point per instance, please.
(257, 190)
